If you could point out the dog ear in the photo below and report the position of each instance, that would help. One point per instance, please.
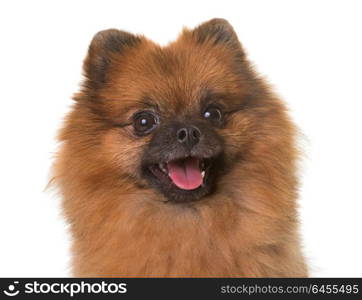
(103, 49)
(217, 32)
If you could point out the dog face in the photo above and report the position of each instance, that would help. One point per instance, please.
(175, 119)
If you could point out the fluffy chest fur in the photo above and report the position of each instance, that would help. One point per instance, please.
(136, 234)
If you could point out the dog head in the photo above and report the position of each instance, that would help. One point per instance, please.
(175, 119)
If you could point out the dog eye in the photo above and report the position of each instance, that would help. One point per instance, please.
(213, 114)
(144, 122)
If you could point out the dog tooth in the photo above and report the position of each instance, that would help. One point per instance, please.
(162, 166)
(203, 174)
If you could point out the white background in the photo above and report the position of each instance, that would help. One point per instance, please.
(309, 50)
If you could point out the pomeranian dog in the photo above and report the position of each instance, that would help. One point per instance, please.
(178, 161)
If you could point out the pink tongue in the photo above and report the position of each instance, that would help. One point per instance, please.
(185, 174)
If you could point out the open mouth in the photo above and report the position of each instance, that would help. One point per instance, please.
(187, 173)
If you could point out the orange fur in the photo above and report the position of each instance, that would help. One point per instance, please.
(121, 227)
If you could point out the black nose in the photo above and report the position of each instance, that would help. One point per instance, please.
(188, 136)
